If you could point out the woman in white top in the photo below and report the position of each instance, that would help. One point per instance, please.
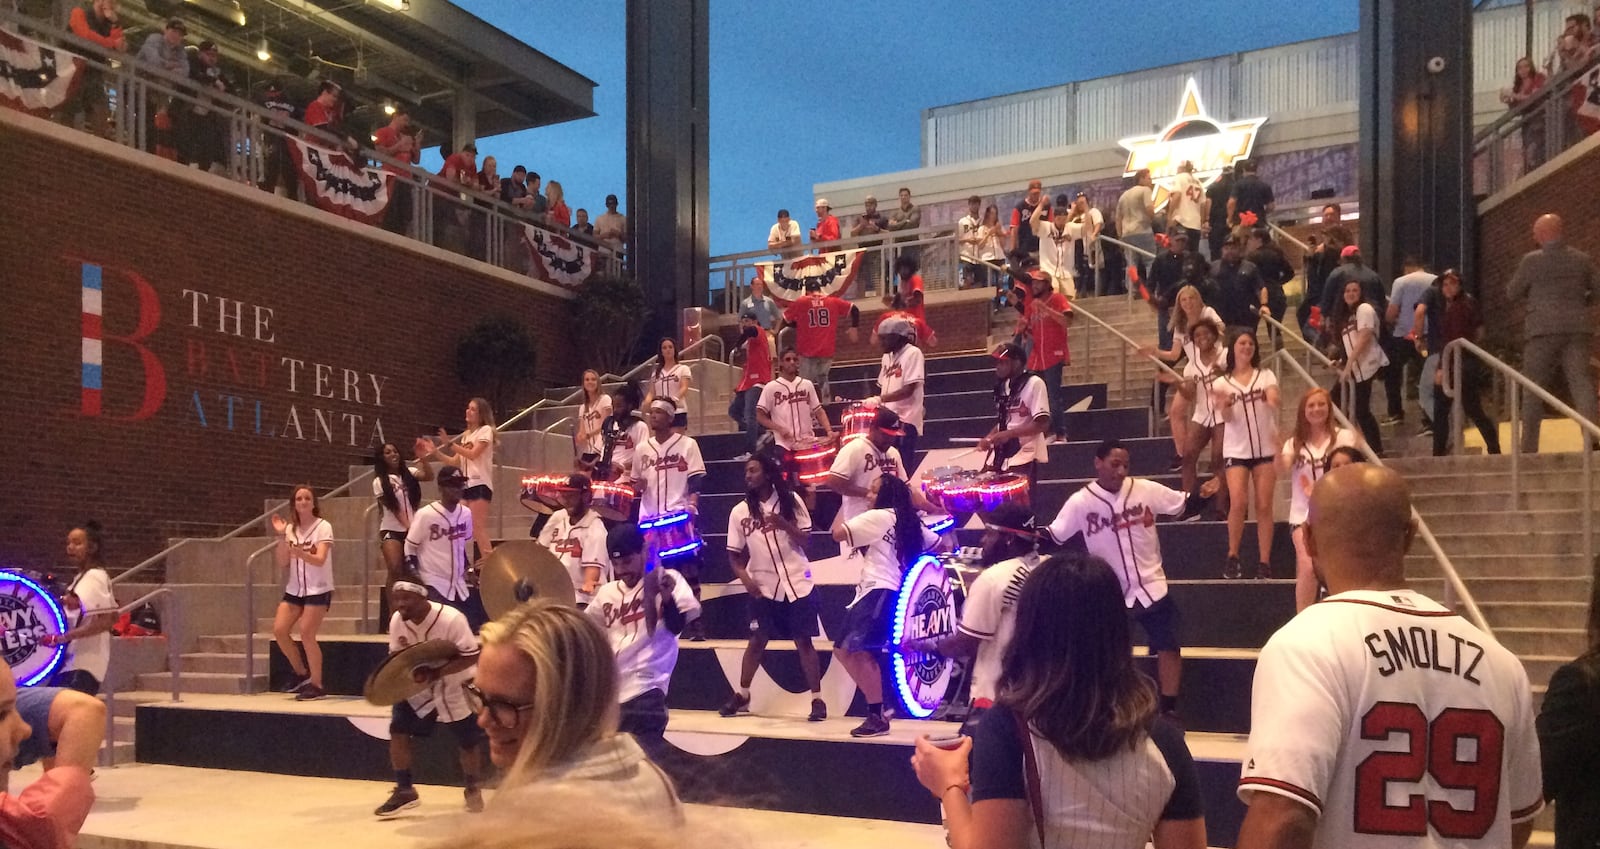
(395, 486)
(588, 440)
(1205, 363)
(1358, 327)
(1246, 400)
(992, 249)
(473, 453)
(91, 614)
(1187, 308)
(1304, 457)
(305, 550)
(671, 379)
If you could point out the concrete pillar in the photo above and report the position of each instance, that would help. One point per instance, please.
(463, 119)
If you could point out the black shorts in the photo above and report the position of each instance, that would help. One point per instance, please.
(318, 600)
(644, 714)
(868, 622)
(1160, 624)
(784, 620)
(481, 492)
(403, 719)
(396, 536)
(1248, 464)
(681, 420)
(81, 680)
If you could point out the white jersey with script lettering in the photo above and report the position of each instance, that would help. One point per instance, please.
(858, 463)
(990, 615)
(905, 367)
(792, 405)
(438, 540)
(1397, 722)
(578, 544)
(1251, 430)
(661, 472)
(777, 561)
(644, 659)
(1120, 528)
(1026, 404)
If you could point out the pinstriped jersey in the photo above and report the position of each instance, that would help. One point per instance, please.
(1120, 528)
(778, 562)
(792, 405)
(1251, 430)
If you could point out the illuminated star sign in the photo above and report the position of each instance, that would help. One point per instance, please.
(1193, 136)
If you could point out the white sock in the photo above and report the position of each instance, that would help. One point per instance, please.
(744, 692)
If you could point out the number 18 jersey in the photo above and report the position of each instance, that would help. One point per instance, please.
(1398, 722)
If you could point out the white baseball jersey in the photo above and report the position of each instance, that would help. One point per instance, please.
(904, 367)
(625, 449)
(1185, 200)
(990, 615)
(1397, 722)
(1205, 413)
(872, 537)
(778, 561)
(442, 623)
(480, 472)
(1120, 528)
(305, 578)
(670, 383)
(859, 462)
(591, 418)
(1306, 469)
(1251, 430)
(1025, 405)
(644, 660)
(1366, 366)
(438, 539)
(92, 588)
(578, 544)
(661, 471)
(792, 405)
(1180, 338)
(400, 521)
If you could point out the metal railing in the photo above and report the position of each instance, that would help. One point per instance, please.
(250, 618)
(1529, 134)
(935, 247)
(1451, 359)
(170, 615)
(371, 522)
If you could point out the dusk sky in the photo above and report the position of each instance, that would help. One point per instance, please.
(803, 93)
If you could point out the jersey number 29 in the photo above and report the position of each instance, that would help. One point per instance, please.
(1461, 748)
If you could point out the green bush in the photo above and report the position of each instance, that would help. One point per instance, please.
(608, 315)
(495, 359)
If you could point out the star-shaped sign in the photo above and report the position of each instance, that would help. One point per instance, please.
(1193, 136)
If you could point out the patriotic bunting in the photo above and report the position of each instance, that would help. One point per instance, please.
(834, 271)
(36, 78)
(339, 184)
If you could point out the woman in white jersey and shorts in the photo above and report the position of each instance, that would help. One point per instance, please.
(305, 550)
(474, 455)
(1246, 401)
(671, 379)
(91, 614)
(395, 486)
(1359, 328)
(1304, 459)
(588, 438)
(1206, 359)
(1188, 309)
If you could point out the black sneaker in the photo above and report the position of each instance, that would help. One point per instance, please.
(1392, 419)
(819, 711)
(697, 631)
(736, 705)
(402, 799)
(474, 798)
(1177, 463)
(294, 683)
(1234, 570)
(874, 726)
(310, 692)
(1263, 572)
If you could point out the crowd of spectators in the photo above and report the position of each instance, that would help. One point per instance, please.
(1564, 118)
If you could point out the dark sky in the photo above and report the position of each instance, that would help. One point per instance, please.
(816, 91)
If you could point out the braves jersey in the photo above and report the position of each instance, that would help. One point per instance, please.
(307, 578)
(442, 623)
(480, 471)
(1186, 199)
(92, 590)
(631, 433)
(1028, 403)
(1205, 412)
(1252, 423)
(670, 383)
(858, 463)
(1180, 338)
(1305, 468)
(900, 369)
(391, 520)
(1120, 528)
(578, 544)
(872, 537)
(816, 323)
(661, 471)
(591, 418)
(1397, 722)
(990, 615)
(792, 405)
(438, 539)
(777, 561)
(644, 659)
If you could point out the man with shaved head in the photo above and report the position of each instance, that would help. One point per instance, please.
(1380, 718)
(1558, 285)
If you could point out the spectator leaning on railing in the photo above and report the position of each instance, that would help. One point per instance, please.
(870, 221)
(98, 22)
(163, 50)
(611, 228)
(278, 167)
(784, 237)
(827, 229)
(204, 136)
(906, 216)
(1525, 83)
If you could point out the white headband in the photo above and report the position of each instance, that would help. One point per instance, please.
(665, 405)
(409, 587)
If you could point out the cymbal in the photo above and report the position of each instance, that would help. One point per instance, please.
(520, 570)
(391, 683)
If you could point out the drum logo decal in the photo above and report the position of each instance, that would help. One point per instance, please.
(924, 609)
(27, 613)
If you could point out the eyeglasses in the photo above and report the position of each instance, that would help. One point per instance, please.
(503, 713)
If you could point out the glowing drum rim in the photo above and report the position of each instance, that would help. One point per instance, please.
(856, 421)
(811, 465)
(671, 536)
(542, 493)
(956, 490)
(612, 500)
(997, 488)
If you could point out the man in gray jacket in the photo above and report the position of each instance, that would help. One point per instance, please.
(1558, 285)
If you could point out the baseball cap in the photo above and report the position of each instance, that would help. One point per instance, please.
(870, 199)
(624, 540)
(887, 421)
(175, 23)
(750, 314)
(1011, 517)
(823, 202)
(451, 476)
(1010, 350)
(1349, 251)
(897, 326)
(208, 46)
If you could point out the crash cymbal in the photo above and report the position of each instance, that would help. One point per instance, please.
(391, 683)
(520, 570)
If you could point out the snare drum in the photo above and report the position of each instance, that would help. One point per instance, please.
(997, 488)
(542, 493)
(671, 536)
(811, 465)
(857, 421)
(613, 501)
(953, 488)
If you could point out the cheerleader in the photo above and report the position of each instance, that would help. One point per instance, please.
(91, 613)
(1246, 402)
(395, 486)
(474, 455)
(671, 379)
(1304, 457)
(305, 549)
(1203, 428)
(588, 441)
(1188, 310)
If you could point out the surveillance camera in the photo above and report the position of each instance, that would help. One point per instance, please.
(1436, 65)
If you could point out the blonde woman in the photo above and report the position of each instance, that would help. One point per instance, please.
(557, 212)
(1187, 309)
(473, 453)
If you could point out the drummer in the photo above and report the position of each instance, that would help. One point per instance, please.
(622, 433)
(900, 379)
(577, 536)
(862, 461)
(1017, 440)
(668, 471)
(436, 548)
(417, 620)
(792, 410)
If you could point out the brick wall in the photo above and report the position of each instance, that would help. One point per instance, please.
(297, 341)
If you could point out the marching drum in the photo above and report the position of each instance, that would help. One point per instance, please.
(997, 488)
(811, 465)
(613, 501)
(542, 493)
(857, 421)
(670, 536)
(966, 491)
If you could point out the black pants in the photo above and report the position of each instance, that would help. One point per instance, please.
(1363, 412)
(1471, 405)
(1400, 353)
(908, 448)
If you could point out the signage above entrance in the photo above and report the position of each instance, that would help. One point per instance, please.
(1193, 136)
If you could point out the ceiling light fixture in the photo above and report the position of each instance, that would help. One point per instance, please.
(264, 50)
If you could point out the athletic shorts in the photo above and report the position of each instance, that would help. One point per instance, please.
(869, 622)
(403, 719)
(1160, 624)
(481, 492)
(1248, 464)
(81, 680)
(318, 600)
(397, 536)
(644, 714)
(33, 705)
(784, 620)
(681, 420)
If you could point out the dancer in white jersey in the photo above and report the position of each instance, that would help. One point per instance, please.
(671, 380)
(1188, 310)
(1246, 402)
(305, 550)
(1203, 428)
(767, 534)
(790, 408)
(1379, 718)
(624, 431)
(900, 378)
(577, 536)
(642, 614)
(668, 471)
(588, 437)
(91, 613)
(1304, 458)
(436, 547)
(416, 620)
(473, 453)
(1022, 413)
(395, 484)
(1116, 514)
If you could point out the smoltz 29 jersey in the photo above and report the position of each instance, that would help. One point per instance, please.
(1396, 721)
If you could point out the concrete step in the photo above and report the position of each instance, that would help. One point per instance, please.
(1568, 642)
(1490, 463)
(1540, 667)
(122, 729)
(1502, 521)
(1420, 564)
(1497, 483)
(1528, 541)
(233, 644)
(127, 702)
(1429, 503)
(330, 625)
(227, 663)
(1516, 589)
(1562, 615)
(206, 682)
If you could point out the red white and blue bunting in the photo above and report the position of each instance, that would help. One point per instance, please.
(34, 77)
(338, 183)
(788, 279)
(556, 258)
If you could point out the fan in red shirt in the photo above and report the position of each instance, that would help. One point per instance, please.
(1044, 321)
(906, 296)
(815, 318)
(326, 110)
(827, 229)
(461, 167)
(757, 346)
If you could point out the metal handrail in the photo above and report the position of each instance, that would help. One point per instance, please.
(1589, 432)
(108, 754)
(162, 554)
(1285, 234)
(369, 538)
(1347, 393)
(250, 616)
(1551, 90)
(1456, 591)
